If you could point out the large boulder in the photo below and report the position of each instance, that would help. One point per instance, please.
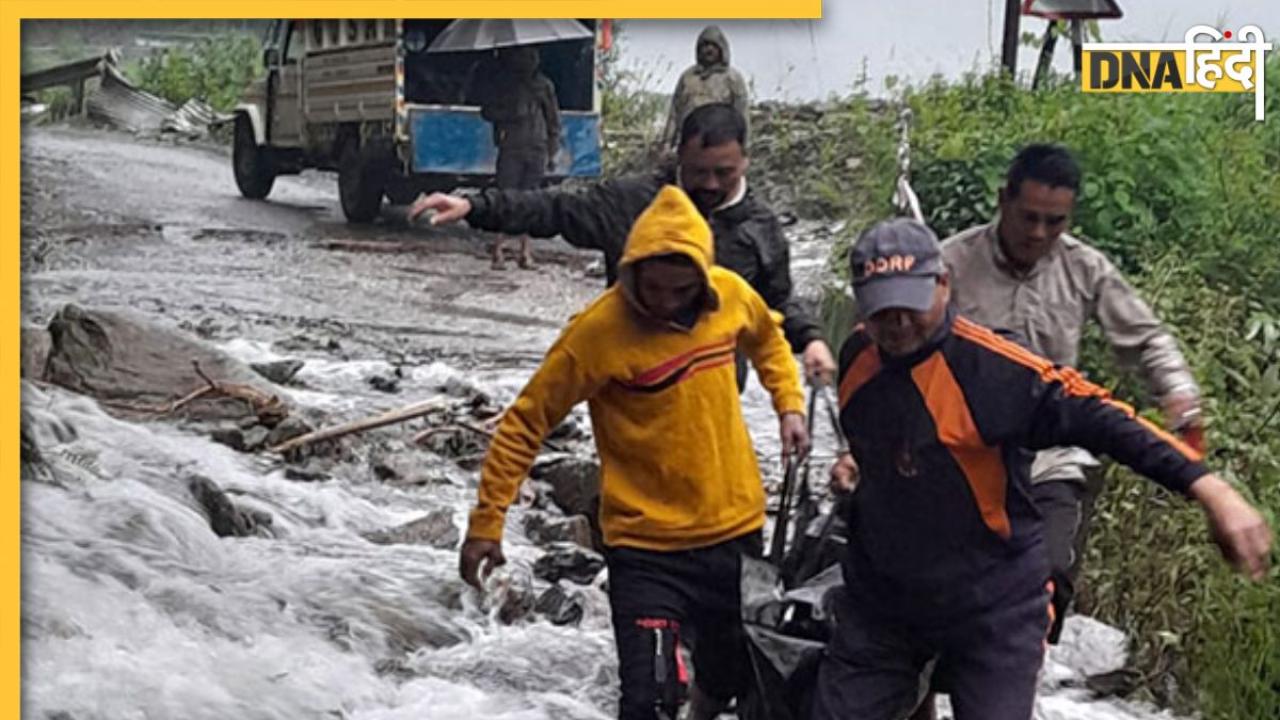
(134, 364)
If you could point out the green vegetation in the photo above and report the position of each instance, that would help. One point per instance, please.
(1183, 192)
(216, 70)
(632, 111)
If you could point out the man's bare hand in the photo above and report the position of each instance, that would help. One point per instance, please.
(818, 362)
(1238, 529)
(844, 474)
(447, 208)
(477, 559)
(795, 436)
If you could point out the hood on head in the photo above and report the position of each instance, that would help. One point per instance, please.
(520, 60)
(714, 35)
(671, 225)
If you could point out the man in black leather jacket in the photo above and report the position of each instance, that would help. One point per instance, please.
(711, 167)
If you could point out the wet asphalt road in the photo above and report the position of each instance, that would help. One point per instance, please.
(110, 220)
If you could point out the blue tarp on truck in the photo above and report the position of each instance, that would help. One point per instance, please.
(456, 140)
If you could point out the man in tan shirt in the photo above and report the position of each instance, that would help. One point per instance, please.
(1024, 274)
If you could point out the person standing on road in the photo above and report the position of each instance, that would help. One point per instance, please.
(711, 167)
(681, 495)
(709, 80)
(521, 104)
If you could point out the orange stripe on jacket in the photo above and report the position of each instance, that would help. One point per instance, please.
(1072, 381)
(864, 367)
(1050, 587)
(648, 377)
(982, 465)
(710, 363)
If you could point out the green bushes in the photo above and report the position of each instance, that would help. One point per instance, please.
(1203, 637)
(1161, 171)
(1182, 191)
(632, 110)
(216, 70)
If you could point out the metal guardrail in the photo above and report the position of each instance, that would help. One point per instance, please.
(67, 74)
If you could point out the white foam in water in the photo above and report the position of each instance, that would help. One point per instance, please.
(251, 351)
(133, 608)
(330, 374)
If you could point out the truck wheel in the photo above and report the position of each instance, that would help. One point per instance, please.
(402, 192)
(252, 164)
(360, 184)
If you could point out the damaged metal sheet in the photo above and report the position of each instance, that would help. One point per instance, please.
(121, 104)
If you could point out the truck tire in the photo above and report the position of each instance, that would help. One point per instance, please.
(361, 181)
(402, 192)
(252, 164)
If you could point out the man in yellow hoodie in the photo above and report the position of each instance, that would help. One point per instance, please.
(681, 494)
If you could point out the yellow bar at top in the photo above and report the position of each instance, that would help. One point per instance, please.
(727, 9)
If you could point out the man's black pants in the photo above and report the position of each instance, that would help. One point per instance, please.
(661, 599)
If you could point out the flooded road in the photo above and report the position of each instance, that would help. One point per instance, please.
(134, 608)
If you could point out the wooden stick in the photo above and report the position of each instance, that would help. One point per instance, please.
(194, 395)
(388, 418)
(196, 364)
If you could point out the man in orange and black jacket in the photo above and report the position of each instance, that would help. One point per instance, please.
(945, 560)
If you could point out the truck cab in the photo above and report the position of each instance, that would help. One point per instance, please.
(365, 98)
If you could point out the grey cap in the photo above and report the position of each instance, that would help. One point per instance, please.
(895, 265)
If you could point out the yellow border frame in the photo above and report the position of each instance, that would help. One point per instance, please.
(12, 12)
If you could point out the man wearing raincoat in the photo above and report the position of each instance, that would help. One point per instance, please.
(709, 80)
(520, 102)
(681, 494)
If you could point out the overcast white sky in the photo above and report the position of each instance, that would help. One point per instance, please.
(912, 39)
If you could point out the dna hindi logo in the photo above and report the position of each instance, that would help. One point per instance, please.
(1207, 60)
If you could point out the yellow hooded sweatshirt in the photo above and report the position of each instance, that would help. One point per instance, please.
(677, 467)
